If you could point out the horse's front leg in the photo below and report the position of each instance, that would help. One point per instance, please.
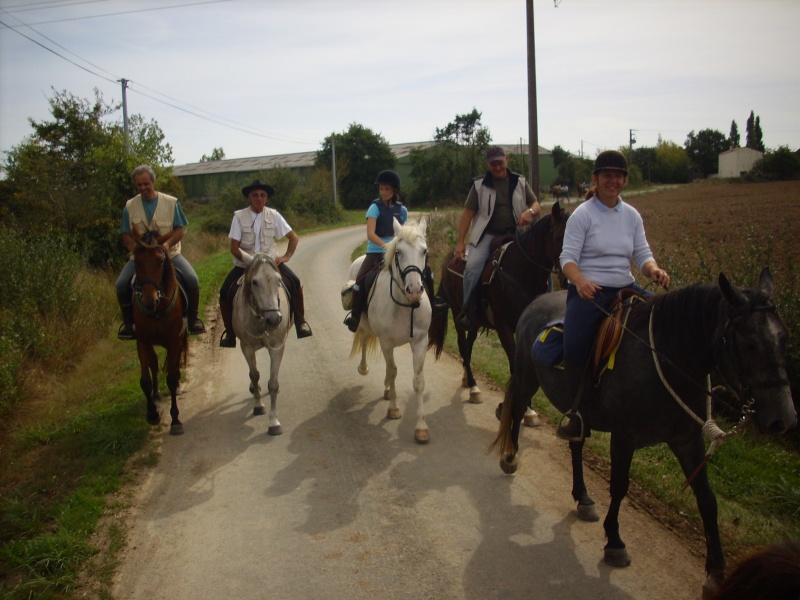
(466, 341)
(173, 381)
(275, 358)
(363, 367)
(249, 352)
(418, 350)
(587, 511)
(148, 362)
(614, 553)
(689, 456)
(389, 391)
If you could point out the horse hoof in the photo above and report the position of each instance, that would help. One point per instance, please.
(259, 410)
(275, 430)
(393, 413)
(422, 436)
(588, 513)
(532, 420)
(154, 418)
(475, 395)
(711, 586)
(176, 429)
(616, 557)
(509, 464)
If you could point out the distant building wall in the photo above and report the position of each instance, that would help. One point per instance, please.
(737, 162)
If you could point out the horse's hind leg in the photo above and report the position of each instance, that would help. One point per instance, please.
(148, 361)
(587, 511)
(614, 553)
(275, 358)
(363, 367)
(173, 381)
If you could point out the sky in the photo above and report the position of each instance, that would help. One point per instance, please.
(264, 77)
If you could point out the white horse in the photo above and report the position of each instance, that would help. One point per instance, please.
(261, 319)
(398, 313)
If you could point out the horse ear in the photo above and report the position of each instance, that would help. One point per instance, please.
(246, 258)
(765, 282)
(397, 226)
(556, 211)
(423, 226)
(734, 296)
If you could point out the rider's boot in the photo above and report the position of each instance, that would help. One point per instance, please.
(579, 389)
(301, 326)
(352, 320)
(466, 319)
(126, 330)
(228, 339)
(195, 324)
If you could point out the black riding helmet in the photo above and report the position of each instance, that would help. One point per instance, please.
(611, 159)
(389, 178)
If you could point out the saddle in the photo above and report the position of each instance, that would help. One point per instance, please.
(498, 247)
(609, 334)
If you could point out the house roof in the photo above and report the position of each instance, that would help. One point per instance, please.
(296, 160)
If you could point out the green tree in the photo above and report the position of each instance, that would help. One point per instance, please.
(360, 155)
(72, 174)
(469, 136)
(734, 138)
(704, 149)
(759, 135)
(780, 164)
(216, 154)
(750, 140)
(671, 164)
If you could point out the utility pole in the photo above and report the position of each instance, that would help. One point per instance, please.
(124, 83)
(533, 127)
(631, 142)
(333, 153)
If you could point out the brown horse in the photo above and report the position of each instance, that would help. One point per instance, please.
(158, 320)
(522, 274)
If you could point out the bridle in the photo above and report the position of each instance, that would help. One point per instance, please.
(412, 268)
(159, 287)
(259, 313)
(556, 266)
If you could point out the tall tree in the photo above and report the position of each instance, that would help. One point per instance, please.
(759, 135)
(360, 155)
(734, 139)
(750, 140)
(704, 149)
(467, 133)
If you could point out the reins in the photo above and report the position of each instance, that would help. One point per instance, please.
(403, 273)
(555, 268)
(259, 313)
(159, 286)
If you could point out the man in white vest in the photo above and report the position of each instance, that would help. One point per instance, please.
(161, 214)
(498, 202)
(255, 229)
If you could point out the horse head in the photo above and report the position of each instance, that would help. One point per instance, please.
(751, 345)
(261, 288)
(154, 271)
(542, 242)
(406, 257)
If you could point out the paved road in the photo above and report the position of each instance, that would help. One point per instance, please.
(345, 505)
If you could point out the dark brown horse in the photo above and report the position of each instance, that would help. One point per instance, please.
(658, 391)
(158, 320)
(522, 274)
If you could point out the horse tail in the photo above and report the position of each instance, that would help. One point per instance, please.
(370, 344)
(503, 443)
(437, 330)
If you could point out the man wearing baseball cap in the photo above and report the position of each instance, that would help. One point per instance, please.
(498, 202)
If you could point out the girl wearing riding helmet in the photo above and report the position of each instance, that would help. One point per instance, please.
(380, 231)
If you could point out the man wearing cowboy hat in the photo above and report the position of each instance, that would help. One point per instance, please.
(255, 229)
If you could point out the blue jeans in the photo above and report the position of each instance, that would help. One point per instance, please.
(476, 260)
(582, 320)
(183, 270)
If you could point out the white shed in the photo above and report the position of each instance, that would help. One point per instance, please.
(737, 162)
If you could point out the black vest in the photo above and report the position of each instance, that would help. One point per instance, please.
(384, 226)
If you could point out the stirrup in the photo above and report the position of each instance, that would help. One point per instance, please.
(228, 340)
(194, 329)
(126, 332)
(573, 430)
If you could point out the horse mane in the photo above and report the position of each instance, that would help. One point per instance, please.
(772, 573)
(409, 233)
(536, 229)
